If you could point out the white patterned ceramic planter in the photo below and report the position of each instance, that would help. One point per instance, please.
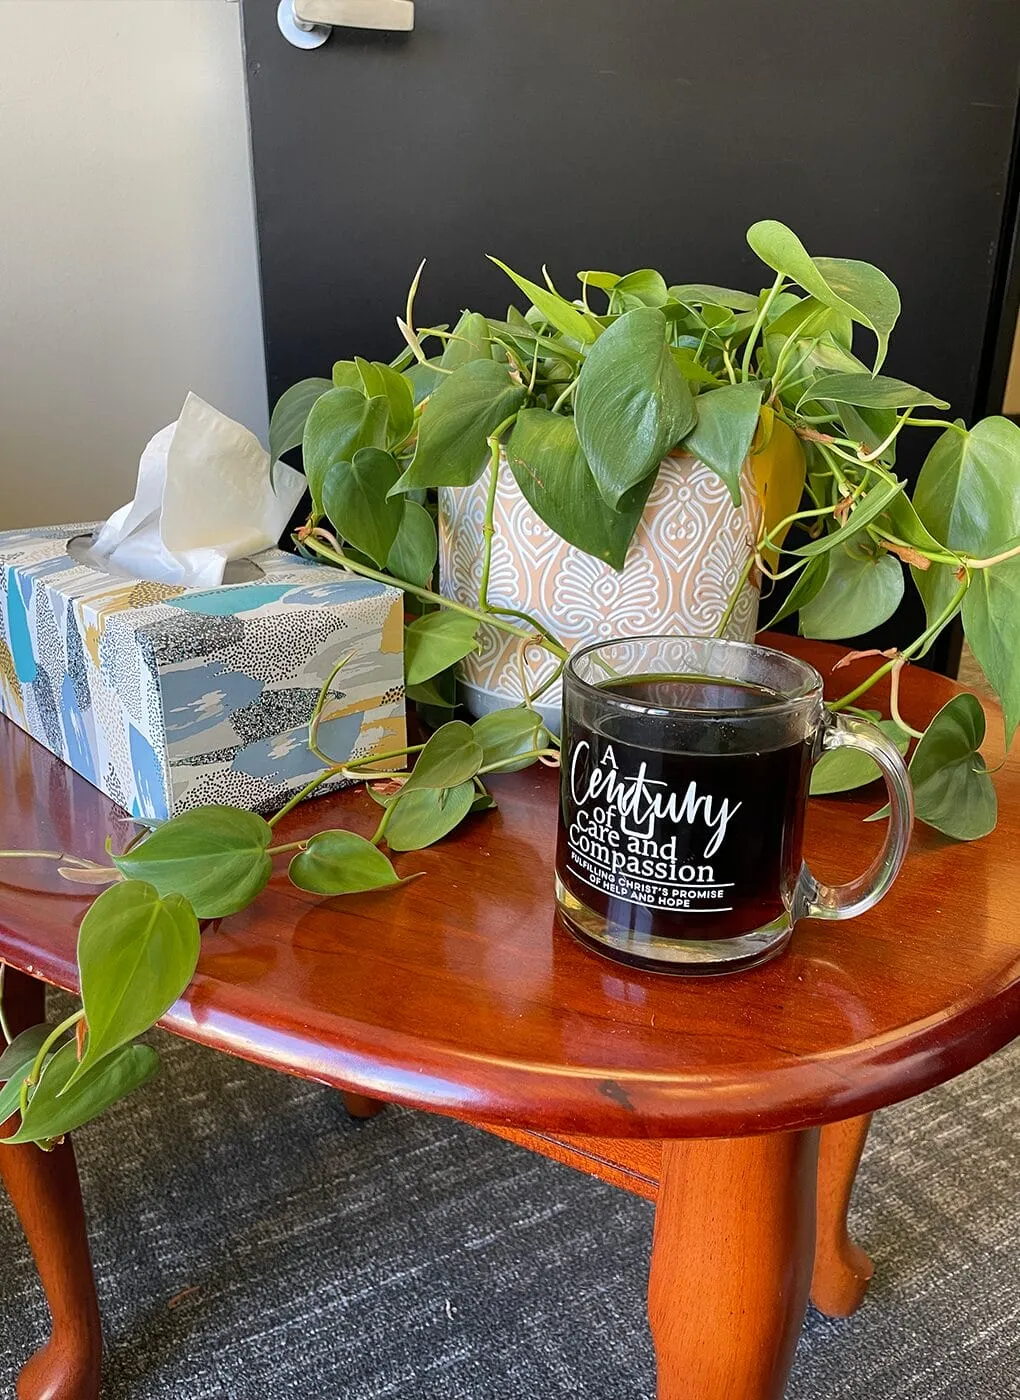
(683, 564)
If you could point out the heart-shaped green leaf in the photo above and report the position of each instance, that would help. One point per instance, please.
(554, 477)
(450, 757)
(52, 1112)
(287, 425)
(425, 815)
(435, 641)
(413, 554)
(646, 287)
(507, 734)
(457, 422)
(991, 621)
(862, 589)
(341, 862)
(567, 318)
(841, 770)
(952, 789)
(340, 423)
(722, 435)
(968, 494)
(632, 403)
(355, 498)
(214, 856)
(136, 954)
(861, 291)
(872, 391)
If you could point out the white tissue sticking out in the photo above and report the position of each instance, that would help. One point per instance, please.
(203, 497)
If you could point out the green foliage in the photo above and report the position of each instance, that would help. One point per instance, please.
(340, 423)
(872, 391)
(57, 1106)
(857, 289)
(463, 413)
(136, 954)
(413, 554)
(506, 736)
(215, 856)
(436, 641)
(968, 496)
(355, 498)
(862, 589)
(427, 814)
(632, 403)
(842, 770)
(722, 436)
(341, 862)
(991, 620)
(549, 466)
(952, 789)
(451, 757)
(561, 314)
(287, 425)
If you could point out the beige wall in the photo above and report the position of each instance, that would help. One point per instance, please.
(127, 252)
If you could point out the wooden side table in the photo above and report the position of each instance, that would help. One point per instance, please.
(724, 1100)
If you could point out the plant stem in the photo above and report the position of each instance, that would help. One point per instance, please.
(729, 365)
(289, 846)
(49, 1042)
(926, 636)
(938, 423)
(564, 396)
(337, 556)
(901, 423)
(306, 791)
(745, 574)
(995, 559)
(776, 288)
(530, 753)
(879, 534)
(384, 821)
(894, 701)
(44, 855)
(488, 528)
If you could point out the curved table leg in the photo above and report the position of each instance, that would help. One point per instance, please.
(842, 1269)
(360, 1105)
(731, 1264)
(44, 1189)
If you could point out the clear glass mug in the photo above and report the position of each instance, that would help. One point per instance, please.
(685, 770)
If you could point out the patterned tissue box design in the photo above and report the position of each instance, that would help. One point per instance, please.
(167, 697)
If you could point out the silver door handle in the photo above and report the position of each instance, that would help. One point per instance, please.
(308, 23)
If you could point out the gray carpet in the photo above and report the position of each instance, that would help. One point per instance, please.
(250, 1240)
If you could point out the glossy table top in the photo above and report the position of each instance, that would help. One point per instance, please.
(459, 992)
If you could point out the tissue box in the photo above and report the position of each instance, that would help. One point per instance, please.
(167, 697)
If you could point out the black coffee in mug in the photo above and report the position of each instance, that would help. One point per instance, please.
(683, 794)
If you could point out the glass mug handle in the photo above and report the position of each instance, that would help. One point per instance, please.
(815, 900)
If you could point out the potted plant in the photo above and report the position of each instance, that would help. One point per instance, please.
(765, 391)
